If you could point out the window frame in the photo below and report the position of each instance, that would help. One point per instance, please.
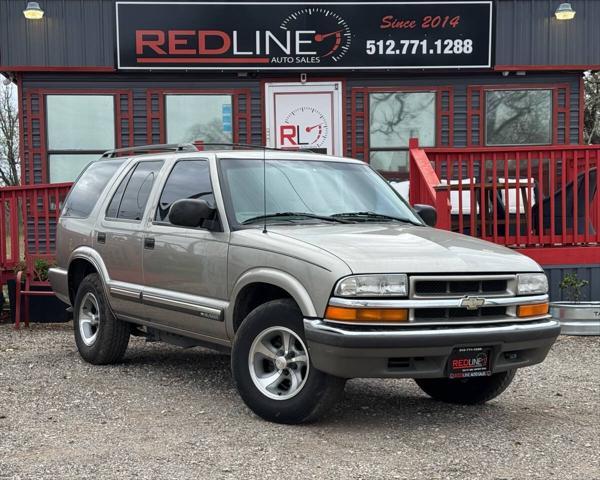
(157, 97)
(217, 221)
(480, 112)
(129, 172)
(441, 112)
(122, 116)
(483, 129)
(400, 149)
(167, 95)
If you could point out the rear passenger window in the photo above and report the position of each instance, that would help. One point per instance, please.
(188, 179)
(130, 198)
(87, 189)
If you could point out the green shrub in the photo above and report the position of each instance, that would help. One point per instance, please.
(572, 285)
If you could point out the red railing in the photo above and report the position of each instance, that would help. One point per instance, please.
(28, 222)
(423, 181)
(515, 196)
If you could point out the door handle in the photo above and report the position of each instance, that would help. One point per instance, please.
(101, 237)
(149, 243)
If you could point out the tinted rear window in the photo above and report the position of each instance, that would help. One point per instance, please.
(129, 201)
(86, 191)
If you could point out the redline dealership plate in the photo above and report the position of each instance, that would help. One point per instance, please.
(469, 362)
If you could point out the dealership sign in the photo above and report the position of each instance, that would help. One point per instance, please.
(303, 36)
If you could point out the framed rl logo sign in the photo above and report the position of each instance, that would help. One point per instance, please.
(304, 116)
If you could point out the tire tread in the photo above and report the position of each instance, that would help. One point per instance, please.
(325, 390)
(113, 336)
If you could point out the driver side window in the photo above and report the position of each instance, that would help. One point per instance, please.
(188, 179)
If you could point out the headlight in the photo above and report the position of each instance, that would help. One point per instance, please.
(373, 286)
(531, 283)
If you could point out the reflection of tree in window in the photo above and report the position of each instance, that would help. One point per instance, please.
(518, 117)
(396, 116)
(208, 132)
(199, 117)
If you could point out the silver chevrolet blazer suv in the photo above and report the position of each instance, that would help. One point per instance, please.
(308, 269)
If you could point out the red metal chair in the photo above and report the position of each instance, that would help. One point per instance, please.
(31, 287)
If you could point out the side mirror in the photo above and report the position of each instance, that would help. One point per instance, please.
(427, 213)
(190, 212)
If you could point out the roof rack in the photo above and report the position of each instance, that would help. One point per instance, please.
(165, 147)
(199, 145)
(187, 147)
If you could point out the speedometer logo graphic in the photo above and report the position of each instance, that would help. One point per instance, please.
(333, 35)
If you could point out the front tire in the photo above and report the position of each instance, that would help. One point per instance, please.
(272, 370)
(467, 391)
(100, 337)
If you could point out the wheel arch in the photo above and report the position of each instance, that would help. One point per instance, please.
(83, 261)
(266, 284)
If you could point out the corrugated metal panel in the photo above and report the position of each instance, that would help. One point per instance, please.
(82, 33)
(574, 112)
(591, 273)
(72, 33)
(527, 33)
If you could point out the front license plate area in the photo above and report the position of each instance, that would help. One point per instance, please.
(467, 362)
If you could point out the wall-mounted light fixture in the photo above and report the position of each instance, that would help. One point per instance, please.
(564, 12)
(33, 11)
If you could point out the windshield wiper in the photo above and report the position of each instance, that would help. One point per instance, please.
(291, 215)
(366, 216)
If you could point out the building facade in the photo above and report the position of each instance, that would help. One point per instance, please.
(347, 78)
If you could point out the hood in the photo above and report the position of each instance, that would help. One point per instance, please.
(377, 248)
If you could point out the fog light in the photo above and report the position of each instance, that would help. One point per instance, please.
(366, 315)
(532, 310)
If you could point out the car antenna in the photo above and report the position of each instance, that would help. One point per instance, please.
(265, 188)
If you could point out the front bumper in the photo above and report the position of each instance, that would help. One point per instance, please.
(422, 352)
(59, 280)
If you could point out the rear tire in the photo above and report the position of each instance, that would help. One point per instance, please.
(467, 391)
(100, 337)
(271, 367)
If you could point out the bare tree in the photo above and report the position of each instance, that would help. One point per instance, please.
(9, 136)
(591, 132)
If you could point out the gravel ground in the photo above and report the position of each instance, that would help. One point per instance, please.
(172, 413)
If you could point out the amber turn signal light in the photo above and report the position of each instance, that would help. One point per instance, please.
(366, 315)
(532, 310)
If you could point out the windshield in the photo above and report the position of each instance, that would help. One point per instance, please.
(309, 191)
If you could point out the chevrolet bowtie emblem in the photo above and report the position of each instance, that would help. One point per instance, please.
(472, 303)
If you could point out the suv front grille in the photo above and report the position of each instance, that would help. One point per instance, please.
(425, 314)
(459, 286)
(433, 288)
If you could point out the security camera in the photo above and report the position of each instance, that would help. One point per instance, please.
(6, 81)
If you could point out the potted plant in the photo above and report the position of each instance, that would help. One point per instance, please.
(577, 316)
